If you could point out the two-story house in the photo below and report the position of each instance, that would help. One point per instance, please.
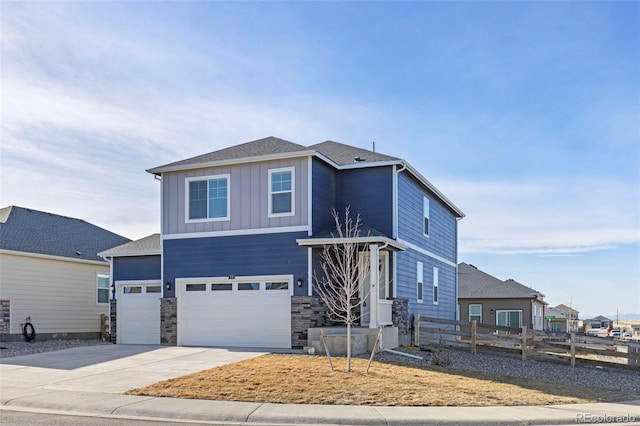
(241, 233)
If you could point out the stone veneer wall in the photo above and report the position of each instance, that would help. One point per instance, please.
(5, 316)
(113, 320)
(306, 311)
(168, 321)
(400, 318)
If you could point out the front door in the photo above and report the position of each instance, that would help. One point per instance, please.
(365, 285)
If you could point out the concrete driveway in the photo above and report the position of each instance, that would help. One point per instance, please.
(112, 368)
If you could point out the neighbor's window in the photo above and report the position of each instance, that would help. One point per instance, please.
(281, 192)
(425, 214)
(103, 288)
(208, 198)
(475, 312)
(420, 280)
(435, 285)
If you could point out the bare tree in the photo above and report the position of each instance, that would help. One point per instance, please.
(343, 271)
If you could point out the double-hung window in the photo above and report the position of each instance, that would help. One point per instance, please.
(207, 198)
(436, 280)
(475, 312)
(281, 192)
(419, 281)
(425, 215)
(102, 282)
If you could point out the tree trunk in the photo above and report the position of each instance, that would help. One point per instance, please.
(348, 346)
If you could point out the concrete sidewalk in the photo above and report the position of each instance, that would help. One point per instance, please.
(88, 381)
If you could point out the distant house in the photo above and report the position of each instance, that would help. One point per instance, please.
(597, 322)
(487, 299)
(570, 315)
(557, 320)
(241, 235)
(50, 271)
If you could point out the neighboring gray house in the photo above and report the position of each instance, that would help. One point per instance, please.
(50, 271)
(489, 300)
(597, 322)
(557, 320)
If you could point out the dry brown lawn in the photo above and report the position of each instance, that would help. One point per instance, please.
(301, 379)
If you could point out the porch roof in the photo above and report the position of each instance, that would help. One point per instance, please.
(320, 241)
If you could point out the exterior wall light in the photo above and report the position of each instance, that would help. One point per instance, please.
(167, 285)
(299, 282)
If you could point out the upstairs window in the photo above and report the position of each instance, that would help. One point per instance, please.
(425, 214)
(281, 192)
(419, 281)
(208, 198)
(102, 281)
(435, 285)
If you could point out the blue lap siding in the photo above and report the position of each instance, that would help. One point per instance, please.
(441, 244)
(137, 268)
(324, 196)
(244, 255)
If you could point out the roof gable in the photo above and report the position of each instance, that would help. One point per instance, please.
(33, 231)
(148, 245)
(476, 284)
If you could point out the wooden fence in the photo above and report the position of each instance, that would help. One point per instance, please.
(429, 332)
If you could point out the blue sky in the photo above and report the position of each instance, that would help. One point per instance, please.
(525, 114)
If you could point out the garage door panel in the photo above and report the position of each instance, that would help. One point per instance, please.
(139, 317)
(248, 318)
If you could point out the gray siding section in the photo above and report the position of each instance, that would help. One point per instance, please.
(443, 236)
(249, 202)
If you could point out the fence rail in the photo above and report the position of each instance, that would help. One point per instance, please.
(429, 331)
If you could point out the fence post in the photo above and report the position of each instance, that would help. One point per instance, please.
(416, 330)
(473, 336)
(572, 339)
(524, 342)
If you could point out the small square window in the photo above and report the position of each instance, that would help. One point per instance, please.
(278, 286)
(207, 198)
(248, 286)
(196, 287)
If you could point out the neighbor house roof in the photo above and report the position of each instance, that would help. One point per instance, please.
(33, 231)
(555, 312)
(271, 148)
(149, 245)
(476, 284)
(567, 309)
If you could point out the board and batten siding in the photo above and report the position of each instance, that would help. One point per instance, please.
(443, 226)
(249, 197)
(369, 193)
(324, 196)
(243, 255)
(137, 268)
(60, 296)
(406, 276)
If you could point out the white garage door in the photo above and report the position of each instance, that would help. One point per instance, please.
(138, 319)
(249, 312)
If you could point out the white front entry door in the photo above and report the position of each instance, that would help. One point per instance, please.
(246, 312)
(365, 285)
(138, 313)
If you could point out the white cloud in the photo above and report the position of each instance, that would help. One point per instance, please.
(546, 217)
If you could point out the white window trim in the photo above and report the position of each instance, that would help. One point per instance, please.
(426, 209)
(186, 198)
(109, 293)
(262, 279)
(510, 310)
(419, 279)
(475, 304)
(436, 285)
(293, 191)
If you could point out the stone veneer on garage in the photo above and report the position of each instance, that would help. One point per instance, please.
(5, 317)
(400, 318)
(168, 321)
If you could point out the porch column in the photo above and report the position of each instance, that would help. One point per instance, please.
(374, 278)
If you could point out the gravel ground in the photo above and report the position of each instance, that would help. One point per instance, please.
(589, 376)
(606, 378)
(10, 349)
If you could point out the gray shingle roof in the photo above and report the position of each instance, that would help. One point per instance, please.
(148, 245)
(342, 154)
(266, 146)
(476, 284)
(34, 231)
